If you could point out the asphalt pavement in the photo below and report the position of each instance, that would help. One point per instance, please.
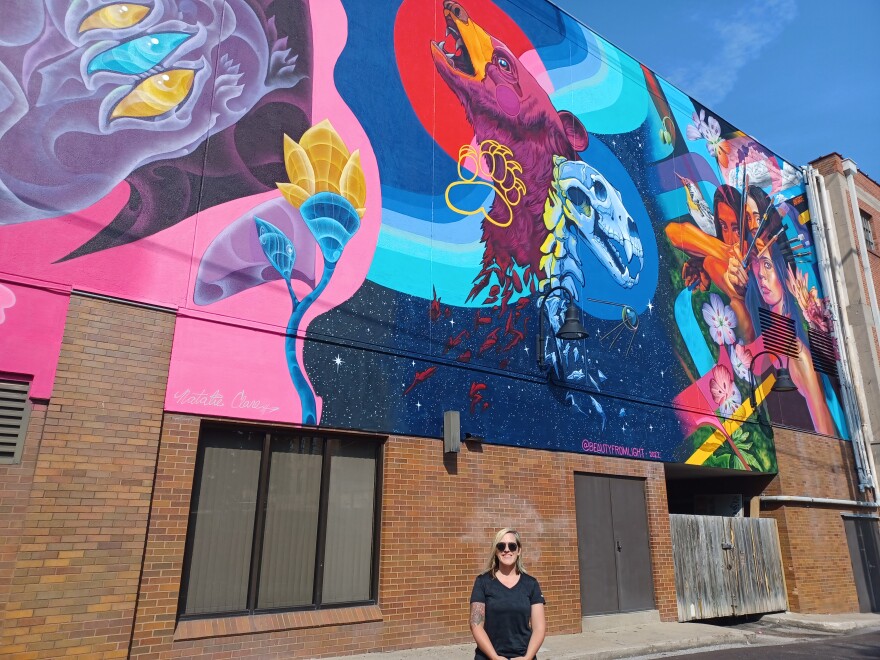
(848, 646)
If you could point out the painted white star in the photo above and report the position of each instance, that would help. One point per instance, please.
(414, 363)
(527, 349)
(419, 405)
(650, 427)
(338, 362)
(452, 322)
(650, 306)
(662, 373)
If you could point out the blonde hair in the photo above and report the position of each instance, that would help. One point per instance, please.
(492, 564)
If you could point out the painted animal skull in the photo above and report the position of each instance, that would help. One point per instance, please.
(583, 205)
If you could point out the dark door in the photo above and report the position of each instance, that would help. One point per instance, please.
(613, 551)
(863, 539)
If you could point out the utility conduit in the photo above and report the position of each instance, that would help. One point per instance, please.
(818, 500)
(825, 241)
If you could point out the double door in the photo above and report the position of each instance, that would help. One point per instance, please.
(613, 545)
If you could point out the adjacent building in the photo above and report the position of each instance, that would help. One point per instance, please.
(300, 302)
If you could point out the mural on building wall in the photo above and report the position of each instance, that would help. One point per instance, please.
(366, 218)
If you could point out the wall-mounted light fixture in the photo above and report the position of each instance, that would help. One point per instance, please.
(571, 329)
(451, 431)
(783, 383)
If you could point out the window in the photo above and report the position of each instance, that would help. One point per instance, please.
(281, 520)
(14, 412)
(868, 229)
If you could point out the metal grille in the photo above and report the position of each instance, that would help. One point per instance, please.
(823, 349)
(14, 413)
(778, 333)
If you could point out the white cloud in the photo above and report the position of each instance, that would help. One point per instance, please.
(739, 39)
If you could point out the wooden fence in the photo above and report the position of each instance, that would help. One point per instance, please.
(726, 566)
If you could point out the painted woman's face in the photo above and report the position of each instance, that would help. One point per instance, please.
(726, 217)
(768, 281)
(753, 216)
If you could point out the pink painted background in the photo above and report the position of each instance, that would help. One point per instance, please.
(234, 346)
(28, 313)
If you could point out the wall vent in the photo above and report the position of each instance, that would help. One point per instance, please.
(823, 348)
(14, 412)
(778, 333)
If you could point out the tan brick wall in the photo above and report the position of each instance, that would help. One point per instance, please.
(438, 517)
(15, 489)
(815, 555)
(75, 578)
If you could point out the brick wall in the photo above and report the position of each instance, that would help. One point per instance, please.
(15, 489)
(815, 555)
(439, 515)
(74, 582)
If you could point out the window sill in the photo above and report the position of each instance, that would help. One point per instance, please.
(262, 623)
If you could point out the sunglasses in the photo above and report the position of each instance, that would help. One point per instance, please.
(512, 547)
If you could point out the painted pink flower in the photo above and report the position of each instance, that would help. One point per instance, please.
(724, 392)
(741, 359)
(721, 320)
(7, 300)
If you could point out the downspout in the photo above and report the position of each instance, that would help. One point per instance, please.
(855, 368)
(825, 241)
(851, 369)
(850, 170)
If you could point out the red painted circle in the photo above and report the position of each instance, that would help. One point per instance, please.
(418, 23)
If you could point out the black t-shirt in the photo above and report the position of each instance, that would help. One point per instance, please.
(508, 612)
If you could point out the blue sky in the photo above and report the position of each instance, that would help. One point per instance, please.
(801, 76)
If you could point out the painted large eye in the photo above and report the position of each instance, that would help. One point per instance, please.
(114, 17)
(138, 55)
(503, 63)
(576, 196)
(156, 95)
(600, 191)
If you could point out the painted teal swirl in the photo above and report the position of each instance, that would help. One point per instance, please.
(138, 55)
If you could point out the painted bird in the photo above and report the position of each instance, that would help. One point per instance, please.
(697, 206)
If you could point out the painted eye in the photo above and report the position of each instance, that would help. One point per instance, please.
(156, 95)
(114, 17)
(600, 191)
(577, 196)
(138, 55)
(503, 63)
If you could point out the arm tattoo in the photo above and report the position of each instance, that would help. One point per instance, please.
(478, 614)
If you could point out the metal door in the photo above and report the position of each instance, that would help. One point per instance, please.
(863, 539)
(613, 549)
(635, 584)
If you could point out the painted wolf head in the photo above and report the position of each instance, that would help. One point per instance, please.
(504, 102)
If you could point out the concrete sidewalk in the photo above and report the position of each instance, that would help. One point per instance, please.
(648, 638)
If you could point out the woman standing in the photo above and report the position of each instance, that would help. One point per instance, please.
(507, 606)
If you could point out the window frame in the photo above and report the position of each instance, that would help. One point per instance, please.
(330, 440)
(868, 230)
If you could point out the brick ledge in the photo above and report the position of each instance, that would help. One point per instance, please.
(262, 623)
